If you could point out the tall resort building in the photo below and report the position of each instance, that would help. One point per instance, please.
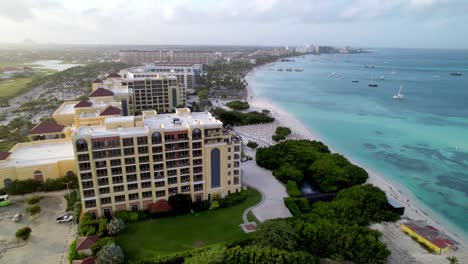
(130, 162)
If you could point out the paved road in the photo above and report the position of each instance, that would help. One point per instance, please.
(273, 192)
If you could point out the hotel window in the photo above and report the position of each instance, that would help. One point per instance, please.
(159, 175)
(119, 188)
(198, 187)
(83, 157)
(117, 179)
(115, 162)
(84, 166)
(90, 203)
(119, 198)
(160, 193)
(104, 190)
(159, 184)
(88, 193)
(131, 177)
(157, 149)
(145, 176)
(185, 188)
(185, 178)
(86, 175)
(130, 169)
(229, 149)
(134, 207)
(81, 145)
(172, 191)
(106, 200)
(144, 167)
(99, 144)
(145, 185)
(229, 182)
(198, 198)
(129, 161)
(133, 196)
(144, 159)
(229, 157)
(171, 172)
(132, 186)
(127, 142)
(116, 171)
(142, 141)
(172, 180)
(129, 151)
(103, 181)
(142, 150)
(114, 153)
(148, 194)
(87, 184)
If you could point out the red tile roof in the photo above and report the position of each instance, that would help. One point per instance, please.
(431, 234)
(101, 92)
(113, 75)
(45, 128)
(97, 81)
(83, 103)
(111, 110)
(88, 260)
(85, 242)
(4, 155)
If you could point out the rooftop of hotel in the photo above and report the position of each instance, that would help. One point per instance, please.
(39, 152)
(180, 120)
(45, 128)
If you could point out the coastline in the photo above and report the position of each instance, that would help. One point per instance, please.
(414, 209)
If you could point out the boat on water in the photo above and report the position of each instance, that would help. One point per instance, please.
(456, 73)
(355, 81)
(299, 70)
(280, 69)
(393, 72)
(382, 77)
(373, 83)
(399, 95)
(288, 69)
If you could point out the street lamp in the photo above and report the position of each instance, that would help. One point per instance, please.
(68, 190)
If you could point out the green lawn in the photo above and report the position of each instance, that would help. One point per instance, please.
(10, 88)
(167, 235)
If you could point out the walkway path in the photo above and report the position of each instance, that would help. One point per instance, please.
(273, 192)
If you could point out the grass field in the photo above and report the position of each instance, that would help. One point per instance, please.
(167, 235)
(11, 88)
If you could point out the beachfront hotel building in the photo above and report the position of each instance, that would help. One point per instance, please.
(186, 73)
(131, 162)
(139, 57)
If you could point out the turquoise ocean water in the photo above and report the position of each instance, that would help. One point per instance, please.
(420, 142)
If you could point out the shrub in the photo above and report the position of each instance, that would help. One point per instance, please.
(73, 253)
(33, 199)
(88, 230)
(278, 137)
(23, 232)
(87, 225)
(34, 209)
(127, 216)
(292, 206)
(292, 189)
(238, 105)
(288, 172)
(110, 254)
(252, 144)
(76, 210)
(71, 200)
(181, 203)
(102, 227)
(143, 215)
(115, 226)
(24, 187)
(29, 186)
(100, 243)
(214, 205)
(241, 119)
(3, 191)
(201, 206)
(233, 199)
(283, 131)
(59, 183)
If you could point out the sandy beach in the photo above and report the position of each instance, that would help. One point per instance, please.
(413, 210)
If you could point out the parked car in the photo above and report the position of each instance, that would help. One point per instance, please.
(64, 218)
(16, 218)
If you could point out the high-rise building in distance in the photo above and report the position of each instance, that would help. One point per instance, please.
(139, 57)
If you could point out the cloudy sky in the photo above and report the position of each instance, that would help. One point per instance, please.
(369, 23)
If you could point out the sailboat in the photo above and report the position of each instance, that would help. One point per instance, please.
(382, 77)
(399, 95)
(393, 71)
(373, 83)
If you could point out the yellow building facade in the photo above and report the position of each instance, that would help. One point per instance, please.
(39, 160)
(129, 163)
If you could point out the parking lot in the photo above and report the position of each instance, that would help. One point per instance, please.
(48, 242)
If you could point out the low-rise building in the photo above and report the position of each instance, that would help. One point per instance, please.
(429, 236)
(38, 160)
(129, 163)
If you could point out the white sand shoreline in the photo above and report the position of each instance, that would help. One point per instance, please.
(413, 208)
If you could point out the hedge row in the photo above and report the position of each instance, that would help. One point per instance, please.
(30, 185)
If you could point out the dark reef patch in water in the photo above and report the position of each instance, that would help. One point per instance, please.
(385, 146)
(454, 180)
(379, 132)
(404, 163)
(369, 146)
(434, 153)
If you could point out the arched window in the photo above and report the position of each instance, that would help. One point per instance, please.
(215, 168)
(38, 176)
(70, 173)
(7, 183)
(81, 145)
(196, 133)
(156, 138)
